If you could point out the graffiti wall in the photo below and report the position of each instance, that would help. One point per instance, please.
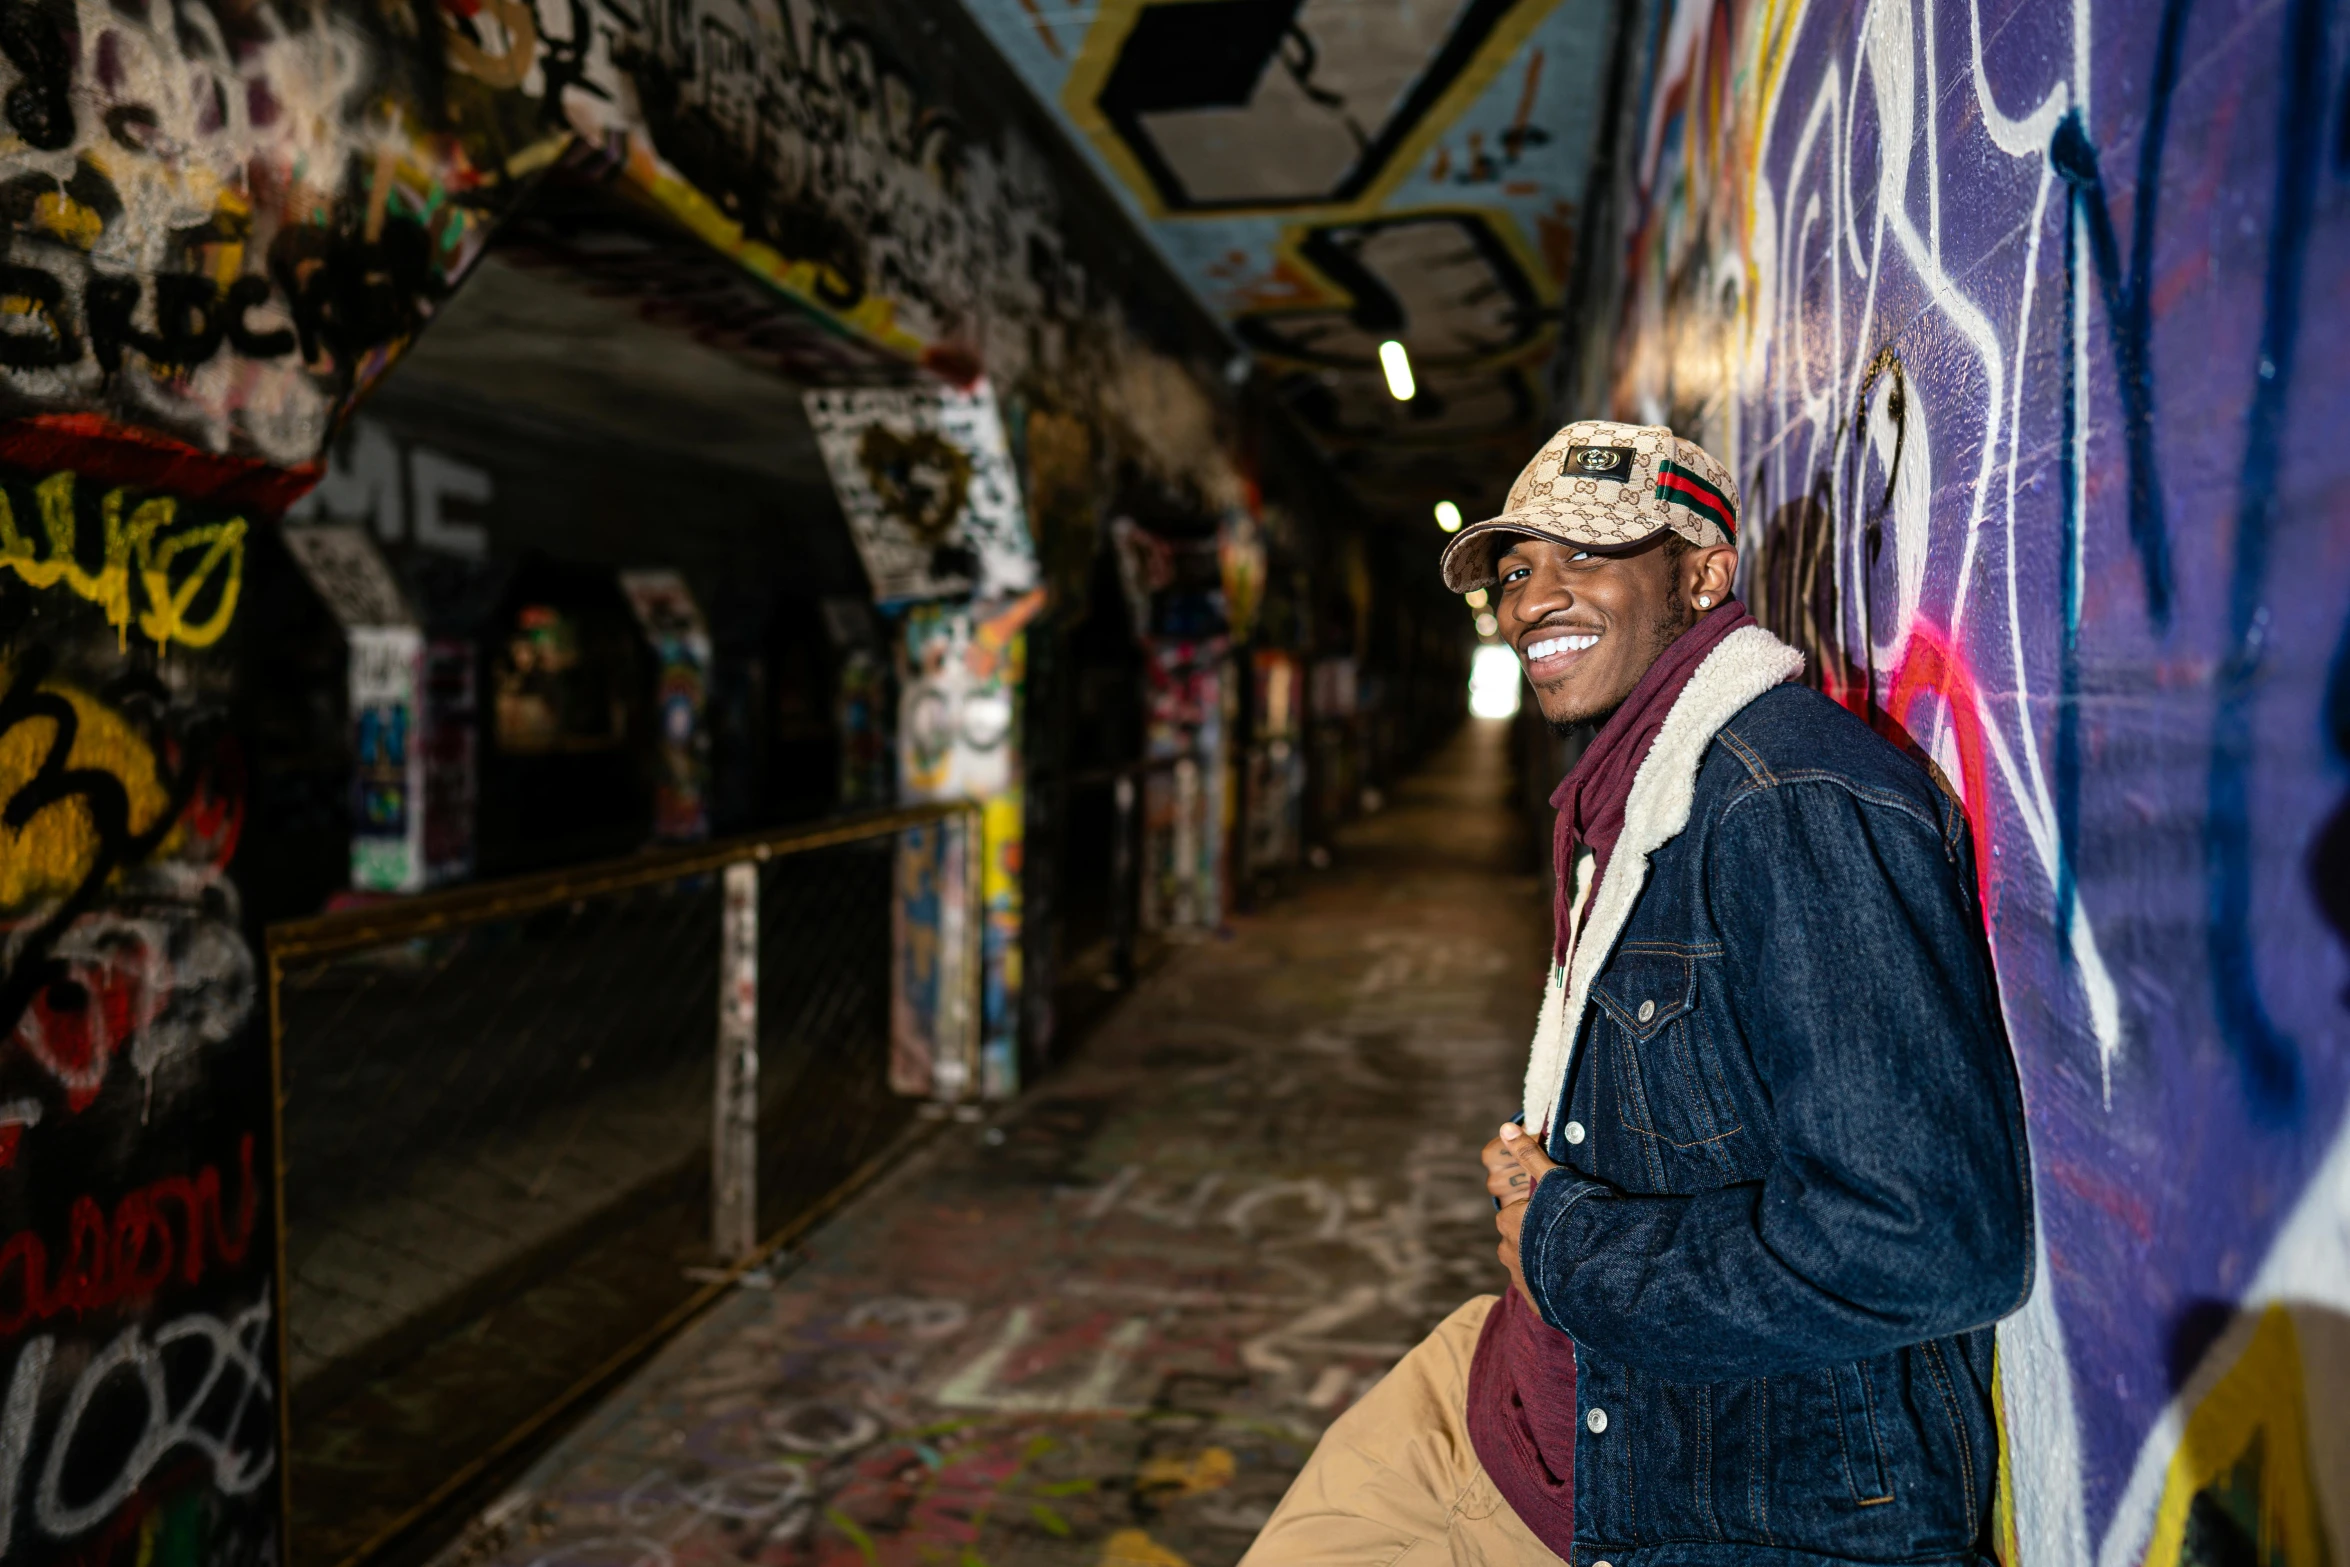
(2022, 326)
(137, 1319)
(224, 224)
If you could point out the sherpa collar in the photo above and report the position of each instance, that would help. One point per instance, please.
(1749, 662)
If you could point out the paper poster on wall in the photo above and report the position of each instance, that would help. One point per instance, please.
(1174, 586)
(1240, 563)
(386, 689)
(1276, 765)
(926, 481)
(861, 714)
(959, 684)
(1145, 566)
(672, 623)
(958, 694)
(1186, 792)
(350, 573)
(933, 1035)
(387, 817)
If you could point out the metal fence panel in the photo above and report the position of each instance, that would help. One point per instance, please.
(505, 1112)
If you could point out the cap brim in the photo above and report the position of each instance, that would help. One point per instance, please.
(1467, 562)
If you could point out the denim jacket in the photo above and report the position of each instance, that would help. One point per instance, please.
(1794, 1190)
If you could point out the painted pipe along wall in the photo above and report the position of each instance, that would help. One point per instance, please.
(2022, 326)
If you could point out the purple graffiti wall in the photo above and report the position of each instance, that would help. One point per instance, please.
(2026, 329)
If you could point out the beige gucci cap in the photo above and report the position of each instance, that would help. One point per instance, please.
(1601, 485)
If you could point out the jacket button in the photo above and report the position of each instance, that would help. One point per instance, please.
(1647, 1010)
(1603, 1564)
(1596, 1420)
(1573, 1131)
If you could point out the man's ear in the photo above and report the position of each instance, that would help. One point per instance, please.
(1710, 573)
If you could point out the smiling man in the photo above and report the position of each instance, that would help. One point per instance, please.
(1768, 1188)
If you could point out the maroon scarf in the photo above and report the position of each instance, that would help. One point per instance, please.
(1592, 797)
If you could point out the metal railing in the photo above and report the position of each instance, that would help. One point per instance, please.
(527, 1128)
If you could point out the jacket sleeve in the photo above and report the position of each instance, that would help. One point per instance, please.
(1898, 1205)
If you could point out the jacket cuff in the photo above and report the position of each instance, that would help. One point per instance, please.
(1544, 1253)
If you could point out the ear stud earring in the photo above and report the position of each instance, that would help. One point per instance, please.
(1705, 601)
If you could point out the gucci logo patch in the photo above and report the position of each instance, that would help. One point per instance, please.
(1598, 462)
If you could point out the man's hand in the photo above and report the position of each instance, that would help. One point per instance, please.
(1514, 1164)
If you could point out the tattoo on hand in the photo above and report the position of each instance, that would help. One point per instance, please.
(1517, 1180)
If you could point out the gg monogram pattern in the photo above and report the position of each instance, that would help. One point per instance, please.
(1599, 484)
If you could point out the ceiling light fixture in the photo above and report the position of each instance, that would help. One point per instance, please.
(1448, 516)
(1398, 366)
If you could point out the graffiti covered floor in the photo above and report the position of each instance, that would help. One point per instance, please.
(1105, 1330)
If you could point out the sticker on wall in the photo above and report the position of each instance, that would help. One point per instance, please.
(672, 622)
(926, 481)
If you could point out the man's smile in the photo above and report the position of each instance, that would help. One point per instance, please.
(1550, 654)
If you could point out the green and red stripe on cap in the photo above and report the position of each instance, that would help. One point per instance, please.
(1687, 487)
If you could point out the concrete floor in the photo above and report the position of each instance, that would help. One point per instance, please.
(1105, 1330)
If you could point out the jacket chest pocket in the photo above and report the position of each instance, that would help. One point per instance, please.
(1668, 1094)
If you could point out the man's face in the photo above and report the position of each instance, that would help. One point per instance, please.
(1587, 625)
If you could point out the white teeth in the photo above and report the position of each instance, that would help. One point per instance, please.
(1551, 647)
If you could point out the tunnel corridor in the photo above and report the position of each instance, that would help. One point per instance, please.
(1105, 1325)
(757, 802)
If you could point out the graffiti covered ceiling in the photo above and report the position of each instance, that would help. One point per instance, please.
(1330, 174)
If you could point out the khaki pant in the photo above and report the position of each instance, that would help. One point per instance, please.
(1394, 1482)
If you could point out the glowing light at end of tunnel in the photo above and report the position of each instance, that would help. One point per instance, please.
(1487, 625)
(1398, 366)
(1493, 682)
(1448, 516)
